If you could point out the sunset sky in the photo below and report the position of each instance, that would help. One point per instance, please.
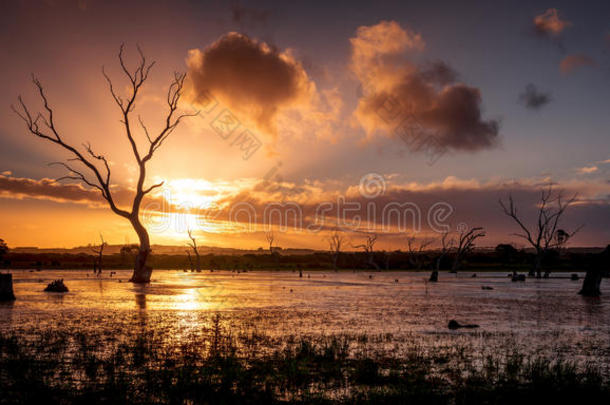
(506, 98)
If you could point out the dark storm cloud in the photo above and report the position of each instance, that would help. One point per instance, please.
(252, 77)
(533, 98)
(430, 95)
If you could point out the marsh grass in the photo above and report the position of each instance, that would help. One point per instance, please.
(222, 367)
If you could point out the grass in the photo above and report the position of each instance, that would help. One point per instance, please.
(217, 367)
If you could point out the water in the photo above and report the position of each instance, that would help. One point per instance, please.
(539, 315)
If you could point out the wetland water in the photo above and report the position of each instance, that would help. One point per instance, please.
(389, 309)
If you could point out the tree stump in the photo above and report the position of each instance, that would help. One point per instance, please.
(591, 284)
(434, 276)
(6, 287)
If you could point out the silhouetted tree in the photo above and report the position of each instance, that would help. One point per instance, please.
(465, 245)
(445, 246)
(416, 250)
(193, 245)
(42, 125)
(369, 249)
(270, 236)
(100, 255)
(543, 235)
(335, 243)
(188, 254)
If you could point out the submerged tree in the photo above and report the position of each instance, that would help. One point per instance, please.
(97, 265)
(445, 247)
(94, 169)
(335, 244)
(545, 234)
(369, 248)
(465, 245)
(416, 250)
(193, 245)
(269, 235)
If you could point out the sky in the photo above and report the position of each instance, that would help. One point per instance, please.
(406, 118)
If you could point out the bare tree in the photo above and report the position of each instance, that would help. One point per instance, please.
(465, 245)
(193, 245)
(445, 247)
(269, 235)
(335, 243)
(100, 255)
(188, 254)
(42, 125)
(416, 250)
(545, 235)
(369, 248)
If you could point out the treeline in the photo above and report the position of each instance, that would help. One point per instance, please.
(503, 258)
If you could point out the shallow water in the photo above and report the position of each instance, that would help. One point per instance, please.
(542, 315)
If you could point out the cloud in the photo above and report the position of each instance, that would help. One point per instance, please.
(416, 103)
(533, 98)
(253, 79)
(52, 190)
(471, 202)
(550, 24)
(17, 187)
(575, 61)
(587, 169)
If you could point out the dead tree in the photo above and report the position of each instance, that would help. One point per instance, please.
(446, 245)
(416, 251)
(543, 236)
(100, 256)
(93, 169)
(465, 245)
(369, 248)
(270, 238)
(335, 243)
(193, 245)
(188, 254)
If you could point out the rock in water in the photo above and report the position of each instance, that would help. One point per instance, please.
(453, 324)
(486, 287)
(518, 277)
(574, 277)
(6, 287)
(57, 286)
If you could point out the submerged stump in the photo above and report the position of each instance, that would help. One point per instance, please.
(591, 284)
(6, 287)
(453, 324)
(57, 286)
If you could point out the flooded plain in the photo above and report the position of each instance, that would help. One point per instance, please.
(390, 310)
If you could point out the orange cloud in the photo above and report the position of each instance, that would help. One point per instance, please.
(254, 79)
(549, 23)
(572, 62)
(417, 104)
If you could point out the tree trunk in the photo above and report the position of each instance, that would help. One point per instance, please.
(455, 265)
(537, 265)
(141, 271)
(591, 283)
(334, 260)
